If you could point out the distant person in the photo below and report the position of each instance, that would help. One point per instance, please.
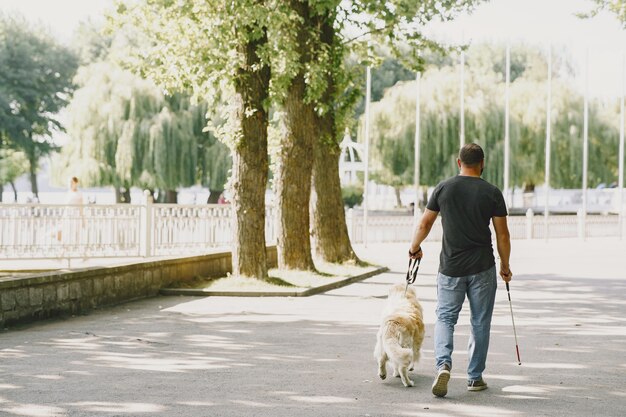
(467, 266)
(72, 219)
(74, 196)
(222, 199)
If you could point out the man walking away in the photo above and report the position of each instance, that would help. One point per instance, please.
(467, 266)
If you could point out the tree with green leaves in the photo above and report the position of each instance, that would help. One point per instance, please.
(125, 132)
(298, 135)
(13, 164)
(617, 7)
(233, 45)
(330, 232)
(393, 124)
(35, 84)
(212, 48)
(322, 45)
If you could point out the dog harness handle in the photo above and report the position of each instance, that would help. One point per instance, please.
(411, 273)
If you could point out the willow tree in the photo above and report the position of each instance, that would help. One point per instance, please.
(214, 160)
(393, 127)
(125, 132)
(214, 47)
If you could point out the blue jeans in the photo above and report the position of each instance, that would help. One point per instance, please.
(481, 293)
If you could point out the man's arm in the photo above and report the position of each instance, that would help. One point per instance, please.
(503, 239)
(423, 229)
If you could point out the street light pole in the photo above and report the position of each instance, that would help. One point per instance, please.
(368, 93)
(416, 173)
(546, 210)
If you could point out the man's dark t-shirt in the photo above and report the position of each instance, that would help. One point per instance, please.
(467, 205)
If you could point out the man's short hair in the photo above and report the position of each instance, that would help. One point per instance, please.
(471, 154)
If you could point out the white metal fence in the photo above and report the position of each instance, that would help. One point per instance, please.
(61, 231)
(531, 226)
(37, 231)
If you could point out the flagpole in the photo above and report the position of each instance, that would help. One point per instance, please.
(506, 125)
(416, 173)
(620, 180)
(546, 210)
(462, 101)
(585, 143)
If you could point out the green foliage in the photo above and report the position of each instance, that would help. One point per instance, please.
(352, 195)
(395, 26)
(196, 46)
(193, 45)
(392, 137)
(35, 83)
(128, 133)
(617, 7)
(13, 164)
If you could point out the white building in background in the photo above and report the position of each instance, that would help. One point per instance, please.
(351, 160)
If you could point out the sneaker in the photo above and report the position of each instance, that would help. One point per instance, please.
(477, 385)
(440, 386)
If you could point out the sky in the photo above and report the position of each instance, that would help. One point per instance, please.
(535, 22)
(549, 22)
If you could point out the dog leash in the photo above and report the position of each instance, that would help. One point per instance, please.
(411, 273)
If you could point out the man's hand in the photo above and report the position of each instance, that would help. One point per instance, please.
(415, 254)
(505, 272)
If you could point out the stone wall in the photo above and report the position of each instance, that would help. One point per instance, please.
(41, 296)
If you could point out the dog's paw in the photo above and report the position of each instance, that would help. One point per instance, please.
(408, 383)
(382, 375)
(411, 368)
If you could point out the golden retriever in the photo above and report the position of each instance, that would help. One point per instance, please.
(400, 334)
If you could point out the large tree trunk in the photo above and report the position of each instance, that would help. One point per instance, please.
(398, 199)
(32, 171)
(171, 196)
(330, 231)
(295, 161)
(250, 164)
(332, 242)
(14, 191)
(214, 196)
(122, 195)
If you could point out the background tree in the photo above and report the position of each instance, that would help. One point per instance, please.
(13, 164)
(214, 160)
(35, 84)
(393, 124)
(125, 132)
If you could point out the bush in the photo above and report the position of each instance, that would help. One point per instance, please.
(352, 195)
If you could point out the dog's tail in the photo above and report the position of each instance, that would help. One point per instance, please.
(392, 346)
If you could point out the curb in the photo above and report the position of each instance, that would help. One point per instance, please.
(301, 293)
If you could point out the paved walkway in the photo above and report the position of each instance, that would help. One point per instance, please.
(184, 356)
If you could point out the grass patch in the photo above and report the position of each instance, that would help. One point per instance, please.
(280, 279)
